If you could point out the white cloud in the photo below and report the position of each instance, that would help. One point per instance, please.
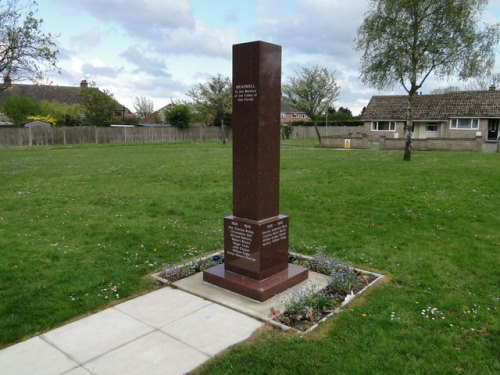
(165, 26)
(144, 63)
(92, 70)
(87, 40)
(321, 27)
(142, 17)
(160, 89)
(201, 40)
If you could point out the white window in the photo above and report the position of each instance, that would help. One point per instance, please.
(304, 115)
(464, 123)
(283, 115)
(295, 115)
(388, 126)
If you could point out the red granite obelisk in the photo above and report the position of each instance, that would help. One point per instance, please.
(256, 235)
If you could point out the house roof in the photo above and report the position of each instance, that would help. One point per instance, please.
(435, 106)
(61, 94)
(287, 108)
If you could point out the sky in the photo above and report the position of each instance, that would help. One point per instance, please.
(162, 48)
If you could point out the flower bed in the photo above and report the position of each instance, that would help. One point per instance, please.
(304, 308)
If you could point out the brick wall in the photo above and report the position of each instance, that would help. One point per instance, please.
(375, 135)
(462, 133)
(358, 142)
(433, 144)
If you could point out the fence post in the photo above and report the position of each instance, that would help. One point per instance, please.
(64, 135)
(95, 134)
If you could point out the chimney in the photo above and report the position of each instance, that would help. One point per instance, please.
(493, 88)
(84, 84)
(7, 82)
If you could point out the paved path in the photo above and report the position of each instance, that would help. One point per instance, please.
(167, 331)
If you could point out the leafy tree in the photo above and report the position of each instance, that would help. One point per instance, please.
(313, 92)
(18, 108)
(214, 98)
(405, 41)
(65, 114)
(99, 107)
(178, 115)
(342, 115)
(201, 117)
(346, 112)
(128, 120)
(143, 106)
(25, 51)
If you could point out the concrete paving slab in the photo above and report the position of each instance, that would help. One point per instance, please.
(153, 354)
(95, 335)
(34, 356)
(259, 310)
(163, 306)
(78, 371)
(213, 328)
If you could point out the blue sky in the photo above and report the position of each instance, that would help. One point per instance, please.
(162, 48)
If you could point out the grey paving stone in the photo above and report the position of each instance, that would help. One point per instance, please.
(163, 306)
(153, 354)
(97, 334)
(260, 310)
(34, 356)
(78, 371)
(213, 328)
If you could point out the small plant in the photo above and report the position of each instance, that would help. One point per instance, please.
(343, 277)
(48, 119)
(304, 308)
(286, 131)
(174, 273)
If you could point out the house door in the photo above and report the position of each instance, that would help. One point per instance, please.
(493, 129)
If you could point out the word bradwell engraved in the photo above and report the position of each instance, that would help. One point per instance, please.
(245, 93)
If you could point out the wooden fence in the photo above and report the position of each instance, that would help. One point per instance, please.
(116, 135)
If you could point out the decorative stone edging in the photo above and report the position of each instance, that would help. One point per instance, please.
(348, 299)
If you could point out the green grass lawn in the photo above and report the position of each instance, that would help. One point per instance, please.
(82, 227)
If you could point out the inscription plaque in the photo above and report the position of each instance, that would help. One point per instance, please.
(245, 92)
(256, 236)
(241, 236)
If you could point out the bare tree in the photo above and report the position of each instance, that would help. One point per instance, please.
(445, 90)
(405, 41)
(485, 82)
(143, 106)
(25, 51)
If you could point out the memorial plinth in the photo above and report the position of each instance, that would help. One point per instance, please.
(256, 236)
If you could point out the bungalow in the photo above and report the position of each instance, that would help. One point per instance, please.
(464, 115)
(53, 93)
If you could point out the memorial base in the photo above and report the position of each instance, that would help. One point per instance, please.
(259, 290)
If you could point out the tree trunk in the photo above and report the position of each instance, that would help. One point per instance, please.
(223, 131)
(407, 155)
(317, 132)
(409, 128)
